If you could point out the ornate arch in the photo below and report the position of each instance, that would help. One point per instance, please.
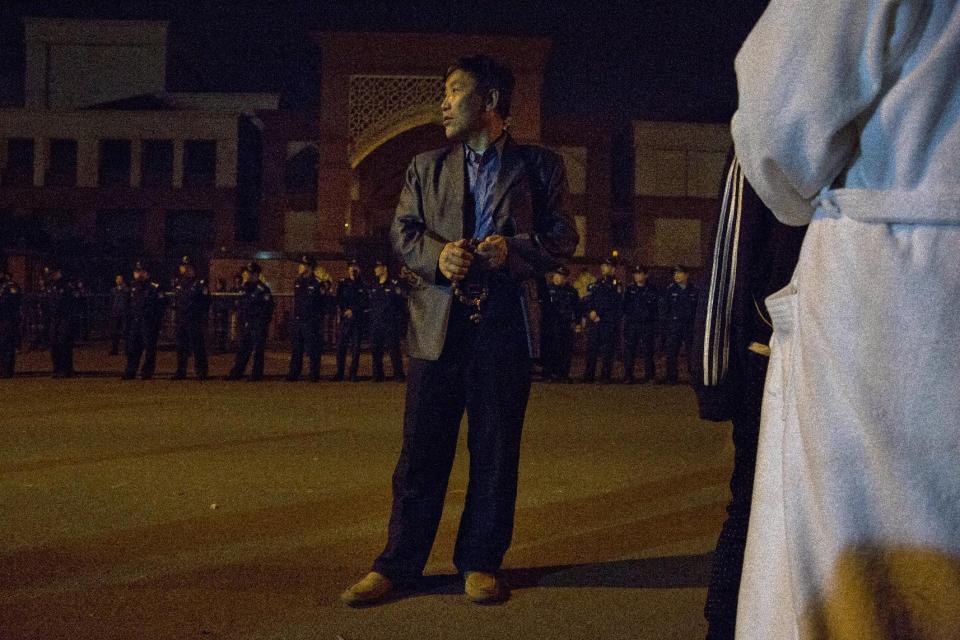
(384, 106)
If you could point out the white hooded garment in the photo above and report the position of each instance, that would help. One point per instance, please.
(849, 118)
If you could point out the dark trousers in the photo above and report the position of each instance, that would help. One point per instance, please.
(191, 339)
(349, 337)
(643, 335)
(141, 341)
(557, 350)
(253, 341)
(385, 339)
(722, 593)
(602, 341)
(485, 370)
(678, 335)
(116, 334)
(305, 338)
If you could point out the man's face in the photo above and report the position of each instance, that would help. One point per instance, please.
(462, 106)
(606, 269)
(182, 269)
(354, 271)
(118, 280)
(141, 275)
(680, 277)
(557, 279)
(380, 271)
(302, 269)
(640, 278)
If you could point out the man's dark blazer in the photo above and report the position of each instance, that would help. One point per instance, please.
(527, 205)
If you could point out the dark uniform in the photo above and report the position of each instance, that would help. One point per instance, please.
(641, 305)
(10, 301)
(560, 316)
(191, 299)
(222, 308)
(603, 296)
(306, 331)
(119, 303)
(254, 312)
(61, 301)
(144, 317)
(680, 306)
(387, 307)
(352, 296)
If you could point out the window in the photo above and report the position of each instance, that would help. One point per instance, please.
(63, 164)
(19, 169)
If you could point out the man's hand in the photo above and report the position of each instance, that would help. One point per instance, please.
(493, 250)
(455, 260)
(594, 316)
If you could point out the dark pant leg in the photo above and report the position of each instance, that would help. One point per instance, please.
(497, 389)
(343, 338)
(116, 332)
(199, 345)
(396, 358)
(245, 348)
(671, 345)
(565, 353)
(648, 338)
(631, 336)
(8, 351)
(68, 357)
(134, 349)
(296, 351)
(377, 339)
(150, 352)
(593, 345)
(260, 344)
(355, 340)
(314, 348)
(183, 350)
(434, 407)
(608, 333)
(722, 593)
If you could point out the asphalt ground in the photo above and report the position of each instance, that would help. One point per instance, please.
(164, 509)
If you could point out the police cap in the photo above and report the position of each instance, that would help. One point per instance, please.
(308, 261)
(679, 268)
(639, 269)
(252, 267)
(562, 271)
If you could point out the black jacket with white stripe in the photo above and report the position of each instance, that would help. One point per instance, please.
(754, 255)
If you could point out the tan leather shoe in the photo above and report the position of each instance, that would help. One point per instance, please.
(481, 587)
(372, 589)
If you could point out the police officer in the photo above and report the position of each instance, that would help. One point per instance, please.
(680, 303)
(560, 316)
(641, 304)
(387, 307)
(254, 311)
(602, 312)
(119, 301)
(10, 301)
(191, 299)
(60, 308)
(306, 332)
(144, 317)
(352, 304)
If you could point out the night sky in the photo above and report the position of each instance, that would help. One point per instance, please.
(642, 59)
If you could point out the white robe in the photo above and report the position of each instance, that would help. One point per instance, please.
(849, 119)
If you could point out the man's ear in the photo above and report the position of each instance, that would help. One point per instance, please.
(493, 99)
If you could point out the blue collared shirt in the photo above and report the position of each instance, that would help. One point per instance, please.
(482, 172)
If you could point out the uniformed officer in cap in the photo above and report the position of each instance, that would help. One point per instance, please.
(306, 330)
(119, 301)
(10, 302)
(560, 315)
(255, 310)
(641, 307)
(352, 303)
(144, 318)
(387, 307)
(602, 312)
(680, 303)
(191, 298)
(60, 309)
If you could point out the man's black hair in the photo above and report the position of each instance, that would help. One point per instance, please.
(489, 75)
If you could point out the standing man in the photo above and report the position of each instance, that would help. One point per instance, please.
(255, 311)
(680, 302)
(387, 304)
(560, 318)
(478, 223)
(10, 302)
(641, 306)
(145, 315)
(222, 307)
(306, 330)
(119, 303)
(352, 304)
(191, 298)
(61, 301)
(602, 311)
